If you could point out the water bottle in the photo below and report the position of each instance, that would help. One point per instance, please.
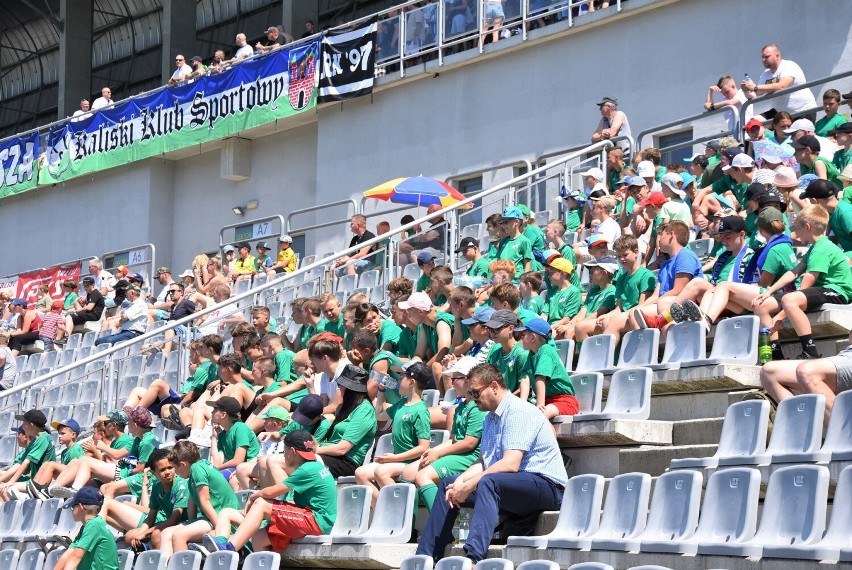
(462, 526)
(385, 380)
(268, 447)
(746, 78)
(764, 346)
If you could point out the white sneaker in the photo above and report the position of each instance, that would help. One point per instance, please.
(199, 439)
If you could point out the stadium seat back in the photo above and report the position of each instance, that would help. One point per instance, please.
(149, 560)
(629, 396)
(495, 564)
(417, 562)
(438, 436)
(685, 342)
(31, 560)
(454, 563)
(125, 559)
(369, 279)
(739, 346)
(729, 512)
(9, 558)
(597, 353)
(53, 557)
(185, 560)
(383, 445)
(565, 348)
(837, 439)
(222, 561)
(579, 514)
(794, 508)
(411, 271)
(797, 427)
(431, 398)
(675, 506)
(353, 513)
(626, 507)
(639, 348)
(538, 565)
(7, 417)
(347, 283)
(262, 561)
(10, 514)
(588, 389)
(393, 517)
(472, 230)
(743, 431)
(590, 566)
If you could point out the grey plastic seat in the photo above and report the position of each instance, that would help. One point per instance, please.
(579, 514)
(793, 512)
(27, 521)
(52, 396)
(9, 558)
(411, 271)
(685, 342)
(65, 523)
(347, 283)
(565, 348)
(45, 523)
(597, 353)
(538, 565)
(369, 279)
(417, 562)
(8, 448)
(639, 348)
(222, 561)
(262, 561)
(739, 346)
(649, 567)
(629, 396)
(393, 517)
(588, 389)
(431, 398)
(624, 513)
(837, 535)
(743, 436)
(149, 560)
(7, 418)
(495, 564)
(797, 430)
(125, 559)
(673, 514)
(353, 514)
(31, 560)
(154, 364)
(438, 436)
(590, 566)
(454, 563)
(53, 557)
(185, 560)
(837, 445)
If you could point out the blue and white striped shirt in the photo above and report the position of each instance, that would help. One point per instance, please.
(520, 425)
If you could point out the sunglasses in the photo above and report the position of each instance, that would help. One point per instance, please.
(474, 393)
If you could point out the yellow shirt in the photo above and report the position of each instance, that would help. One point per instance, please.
(245, 266)
(288, 258)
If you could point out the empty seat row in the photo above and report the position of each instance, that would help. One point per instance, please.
(422, 562)
(792, 525)
(629, 396)
(192, 560)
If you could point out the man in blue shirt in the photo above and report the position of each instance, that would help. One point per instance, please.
(678, 270)
(520, 470)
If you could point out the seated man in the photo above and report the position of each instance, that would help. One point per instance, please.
(519, 472)
(132, 320)
(88, 309)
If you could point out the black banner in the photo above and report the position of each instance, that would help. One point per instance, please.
(348, 63)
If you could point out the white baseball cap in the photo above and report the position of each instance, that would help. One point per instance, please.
(595, 173)
(646, 169)
(420, 301)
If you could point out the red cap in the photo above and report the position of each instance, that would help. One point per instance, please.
(654, 199)
(752, 123)
(58, 304)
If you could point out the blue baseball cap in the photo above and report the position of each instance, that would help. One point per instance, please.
(513, 213)
(537, 325)
(804, 181)
(69, 423)
(481, 315)
(687, 178)
(85, 496)
(635, 181)
(19, 302)
(424, 257)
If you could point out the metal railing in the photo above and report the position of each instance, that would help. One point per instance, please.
(317, 264)
(690, 119)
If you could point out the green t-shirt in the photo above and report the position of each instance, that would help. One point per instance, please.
(479, 268)
(305, 334)
(826, 124)
(780, 259)
(524, 315)
(411, 423)
(222, 496)
(199, 380)
(828, 260)
(631, 203)
(567, 252)
(831, 172)
(240, 435)
(407, 345)
(141, 449)
(74, 452)
(516, 250)
(98, 545)
(39, 451)
(285, 370)
(726, 183)
(534, 304)
(536, 237)
(389, 333)
(391, 396)
(165, 503)
(124, 441)
(512, 366)
(314, 488)
(628, 288)
(432, 332)
(840, 222)
(335, 327)
(423, 283)
(842, 157)
(467, 421)
(597, 298)
(359, 429)
(546, 362)
(564, 303)
(573, 218)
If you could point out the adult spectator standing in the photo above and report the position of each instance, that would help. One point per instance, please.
(358, 262)
(182, 70)
(310, 29)
(198, 67)
(84, 109)
(781, 74)
(243, 49)
(104, 100)
(274, 40)
(519, 472)
(133, 320)
(613, 123)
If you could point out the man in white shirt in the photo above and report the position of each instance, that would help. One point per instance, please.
(244, 50)
(182, 70)
(133, 319)
(780, 74)
(83, 110)
(104, 100)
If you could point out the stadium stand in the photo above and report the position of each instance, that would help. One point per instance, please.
(672, 422)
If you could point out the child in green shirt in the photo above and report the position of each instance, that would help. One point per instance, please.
(565, 302)
(826, 278)
(600, 296)
(68, 431)
(94, 546)
(23, 443)
(554, 391)
(530, 285)
(39, 451)
(233, 441)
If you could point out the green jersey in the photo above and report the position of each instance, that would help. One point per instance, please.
(164, 503)
(573, 217)
(512, 366)
(240, 435)
(831, 172)
(407, 345)
(432, 332)
(840, 222)
(98, 545)
(285, 370)
(389, 333)
(410, 424)
(314, 488)
(199, 379)
(222, 496)
(779, 260)
(423, 283)
(546, 363)
(74, 452)
(628, 288)
(359, 429)
(38, 452)
(467, 421)
(517, 250)
(828, 260)
(534, 304)
(479, 268)
(335, 327)
(597, 298)
(564, 303)
(141, 449)
(827, 124)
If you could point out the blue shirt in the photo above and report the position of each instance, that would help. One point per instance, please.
(685, 262)
(519, 425)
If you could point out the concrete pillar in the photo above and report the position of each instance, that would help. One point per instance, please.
(294, 14)
(178, 34)
(235, 159)
(75, 55)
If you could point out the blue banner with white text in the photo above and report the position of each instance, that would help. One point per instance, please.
(18, 164)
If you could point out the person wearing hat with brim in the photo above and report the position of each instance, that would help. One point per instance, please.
(768, 264)
(477, 339)
(554, 391)
(273, 421)
(554, 233)
(845, 178)
(344, 446)
(312, 511)
(233, 441)
(23, 441)
(286, 260)
(514, 246)
(839, 211)
(426, 262)
(68, 431)
(825, 278)
(274, 40)
(575, 202)
(38, 452)
(245, 266)
(263, 262)
(533, 233)
(469, 249)
(675, 208)
(461, 450)
(508, 355)
(131, 320)
(565, 302)
(810, 162)
(599, 299)
(434, 336)
(94, 546)
(843, 155)
(198, 67)
(410, 431)
(613, 123)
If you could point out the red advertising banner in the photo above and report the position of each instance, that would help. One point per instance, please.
(28, 283)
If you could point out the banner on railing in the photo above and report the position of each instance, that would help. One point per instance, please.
(28, 283)
(18, 165)
(348, 63)
(9, 285)
(253, 93)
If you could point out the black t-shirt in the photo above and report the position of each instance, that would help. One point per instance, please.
(366, 236)
(182, 309)
(96, 298)
(279, 41)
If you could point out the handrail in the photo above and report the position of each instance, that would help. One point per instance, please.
(301, 271)
(317, 208)
(689, 119)
(789, 90)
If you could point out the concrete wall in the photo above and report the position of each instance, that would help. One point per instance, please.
(516, 102)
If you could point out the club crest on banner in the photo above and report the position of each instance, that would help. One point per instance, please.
(302, 72)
